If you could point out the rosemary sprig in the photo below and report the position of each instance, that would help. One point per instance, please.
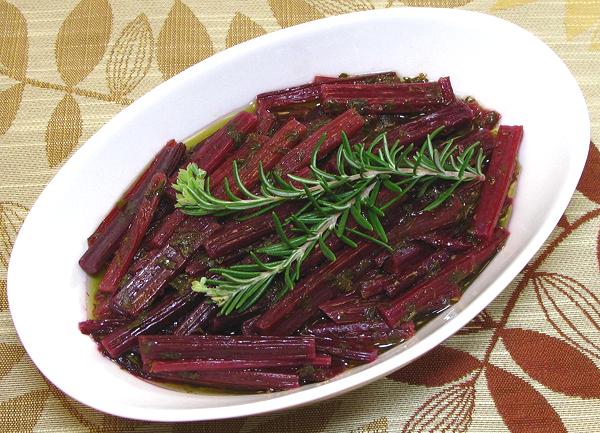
(331, 199)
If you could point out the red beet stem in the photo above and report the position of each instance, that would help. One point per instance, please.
(404, 255)
(170, 347)
(196, 319)
(100, 326)
(396, 98)
(483, 136)
(378, 77)
(124, 338)
(428, 267)
(140, 290)
(499, 176)
(445, 239)
(234, 364)
(430, 291)
(268, 155)
(366, 332)
(134, 235)
(346, 349)
(241, 380)
(450, 118)
(351, 308)
(349, 122)
(266, 119)
(107, 241)
(166, 228)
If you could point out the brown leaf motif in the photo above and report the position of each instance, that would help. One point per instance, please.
(436, 3)
(448, 410)
(130, 57)
(20, 414)
(11, 354)
(379, 425)
(10, 99)
(182, 42)
(12, 216)
(13, 41)
(82, 40)
(336, 7)
(553, 363)
(242, 29)
(440, 366)
(312, 419)
(291, 12)
(572, 309)
(588, 184)
(523, 409)
(63, 130)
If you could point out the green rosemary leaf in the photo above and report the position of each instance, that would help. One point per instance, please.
(355, 210)
(327, 252)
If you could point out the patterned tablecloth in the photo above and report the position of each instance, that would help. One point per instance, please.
(529, 363)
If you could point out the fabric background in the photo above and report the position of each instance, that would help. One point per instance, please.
(529, 363)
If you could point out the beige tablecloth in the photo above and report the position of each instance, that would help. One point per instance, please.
(529, 363)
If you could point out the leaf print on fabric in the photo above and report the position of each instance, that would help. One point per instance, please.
(523, 409)
(291, 12)
(182, 42)
(20, 414)
(63, 130)
(337, 7)
(588, 184)
(379, 425)
(580, 16)
(13, 41)
(10, 99)
(221, 426)
(553, 363)
(580, 325)
(12, 216)
(311, 419)
(436, 3)
(130, 57)
(448, 410)
(11, 354)
(596, 40)
(3, 298)
(507, 4)
(482, 322)
(438, 367)
(242, 29)
(82, 40)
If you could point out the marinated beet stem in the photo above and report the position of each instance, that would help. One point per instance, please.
(171, 348)
(98, 254)
(429, 291)
(100, 326)
(139, 186)
(405, 255)
(142, 288)
(350, 309)
(134, 235)
(124, 338)
(483, 136)
(196, 319)
(347, 349)
(396, 98)
(365, 332)
(242, 380)
(499, 176)
(268, 155)
(234, 364)
(378, 77)
(349, 122)
(450, 118)
(430, 266)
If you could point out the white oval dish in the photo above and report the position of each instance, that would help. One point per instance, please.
(502, 65)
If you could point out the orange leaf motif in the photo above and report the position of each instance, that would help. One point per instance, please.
(588, 184)
(220, 426)
(449, 410)
(291, 12)
(182, 42)
(10, 99)
(82, 40)
(311, 419)
(553, 363)
(63, 130)
(21, 414)
(130, 58)
(523, 409)
(337, 7)
(440, 366)
(3, 299)
(12, 216)
(11, 354)
(242, 29)
(579, 325)
(13, 41)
